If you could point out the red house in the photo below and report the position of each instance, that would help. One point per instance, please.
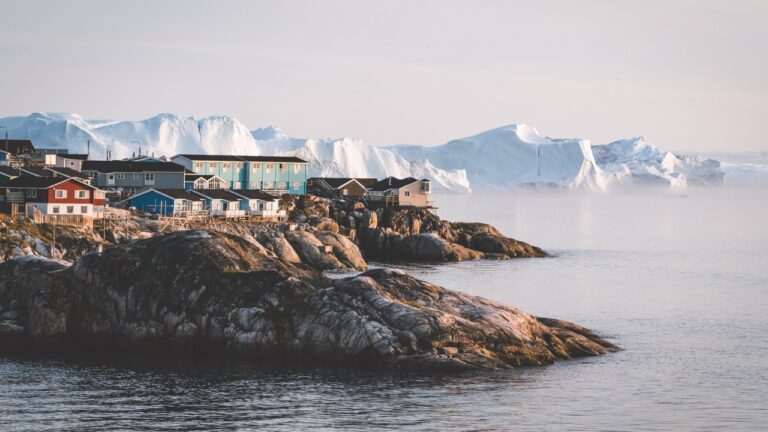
(53, 196)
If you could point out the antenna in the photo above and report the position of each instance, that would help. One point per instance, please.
(88, 154)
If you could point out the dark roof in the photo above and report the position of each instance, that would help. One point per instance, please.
(337, 182)
(253, 194)
(17, 146)
(367, 181)
(391, 183)
(79, 156)
(31, 182)
(9, 171)
(193, 176)
(66, 172)
(173, 193)
(204, 157)
(216, 194)
(37, 172)
(129, 166)
(291, 159)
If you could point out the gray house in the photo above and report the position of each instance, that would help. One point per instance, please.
(129, 177)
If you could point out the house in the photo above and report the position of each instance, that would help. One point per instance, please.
(220, 202)
(70, 160)
(393, 191)
(128, 177)
(202, 181)
(257, 203)
(53, 196)
(167, 202)
(276, 175)
(339, 187)
(14, 152)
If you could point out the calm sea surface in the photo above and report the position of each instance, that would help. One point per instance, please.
(679, 281)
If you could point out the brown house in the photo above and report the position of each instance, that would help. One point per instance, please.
(393, 191)
(339, 187)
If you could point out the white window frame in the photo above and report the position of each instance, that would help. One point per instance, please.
(270, 167)
(55, 209)
(59, 196)
(225, 166)
(296, 168)
(149, 178)
(84, 209)
(70, 209)
(120, 176)
(212, 165)
(135, 176)
(82, 194)
(407, 193)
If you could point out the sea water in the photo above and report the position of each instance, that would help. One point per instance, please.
(678, 280)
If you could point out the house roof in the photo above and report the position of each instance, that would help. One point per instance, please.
(240, 158)
(204, 157)
(193, 177)
(130, 166)
(30, 182)
(337, 182)
(253, 194)
(7, 171)
(291, 159)
(17, 146)
(66, 172)
(391, 183)
(171, 193)
(78, 156)
(37, 172)
(216, 194)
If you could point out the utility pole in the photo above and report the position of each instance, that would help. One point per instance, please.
(53, 248)
(6, 138)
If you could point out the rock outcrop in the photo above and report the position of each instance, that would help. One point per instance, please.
(216, 291)
(414, 234)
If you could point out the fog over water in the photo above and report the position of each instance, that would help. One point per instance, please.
(678, 280)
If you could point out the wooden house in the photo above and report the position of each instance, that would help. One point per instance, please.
(168, 202)
(258, 203)
(53, 196)
(339, 187)
(393, 191)
(220, 202)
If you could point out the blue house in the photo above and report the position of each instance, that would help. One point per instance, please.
(167, 202)
(220, 202)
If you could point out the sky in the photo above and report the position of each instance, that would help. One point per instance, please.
(688, 75)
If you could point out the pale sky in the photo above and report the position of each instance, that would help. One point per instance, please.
(689, 75)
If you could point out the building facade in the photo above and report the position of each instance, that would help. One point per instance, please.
(54, 196)
(129, 177)
(273, 174)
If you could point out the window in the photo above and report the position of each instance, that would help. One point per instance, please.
(407, 193)
(120, 176)
(237, 185)
(70, 209)
(344, 191)
(269, 185)
(135, 176)
(270, 167)
(297, 187)
(296, 168)
(239, 165)
(225, 166)
(55, 209)
(212, 165)
(59, 193)
(111, 178)
(84, 209)
(281, 185)
(81, 194)
(31, 193)
(149, 178)
(256, 167)
(282, 168)
(198, 166)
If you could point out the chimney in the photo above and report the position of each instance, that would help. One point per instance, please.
(88, 151)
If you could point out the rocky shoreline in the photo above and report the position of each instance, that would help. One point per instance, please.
(259, 292)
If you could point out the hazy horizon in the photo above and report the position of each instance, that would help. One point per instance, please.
(689, 76)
